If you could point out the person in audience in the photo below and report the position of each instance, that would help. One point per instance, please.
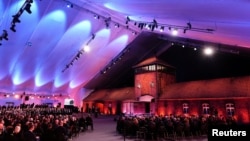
(48, 134)
(2, 131)
(82, 123)
(39, 123)
(89, 122)
(61, 132)
(29, 135)
(9, 134)
(17, 133)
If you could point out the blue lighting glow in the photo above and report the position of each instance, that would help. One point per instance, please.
(55, 19)
(19, 76)
(17, 79)
(116, 46)
(81, 31)
(103, 37)
(119, 42)
(114, 7)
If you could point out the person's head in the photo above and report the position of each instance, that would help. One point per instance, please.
(1, 128)
(17, 129)
(50, 126)
(61, 122)
(31, 126)
(56, 121)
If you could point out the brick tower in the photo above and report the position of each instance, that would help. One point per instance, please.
(151, 77)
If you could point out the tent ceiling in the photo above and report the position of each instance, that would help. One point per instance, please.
(43, 56)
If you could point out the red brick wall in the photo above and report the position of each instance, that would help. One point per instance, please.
(150, 81)
(242, 107)
(145, 80)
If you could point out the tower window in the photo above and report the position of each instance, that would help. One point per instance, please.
(230, 109)
(205, 108)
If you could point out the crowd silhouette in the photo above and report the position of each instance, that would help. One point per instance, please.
(40, 123)
(170, 127)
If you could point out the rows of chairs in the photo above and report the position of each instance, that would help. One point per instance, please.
(164, 134)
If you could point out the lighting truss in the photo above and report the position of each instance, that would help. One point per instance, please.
(154, 24)
(78, 54)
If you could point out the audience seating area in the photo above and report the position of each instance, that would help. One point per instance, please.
(169, 127)
(50, 124)
(61, 124)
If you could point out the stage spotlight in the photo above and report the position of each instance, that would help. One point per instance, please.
(27, 8)
(117, 25)
(175, 32)
(162, 29)
(134, 33)
(208, 51)
(86, 48)
(5, 35)
(69, 5)
(189, 25)
(12, 28)
(96, 16)
(185, 30)
(16, 19)
(155, 23)
(107, 22)
(127, 20)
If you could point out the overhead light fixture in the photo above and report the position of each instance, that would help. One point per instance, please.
(185, 30)
(175, 32)
(27, 8)
(153, 27)
(86, 48)
(134, 33)
(140, 25)
(93, 36)
(107, 22)
(116, 60)
(148, 26)
(117, 25)
(5, 35)
(70, 5)
(12, 28)
(155, 23)
(16, 19)
(79, 53)
(127, 20)
(208, 51)
(189, 25)
(162, 29)
(96, 16)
